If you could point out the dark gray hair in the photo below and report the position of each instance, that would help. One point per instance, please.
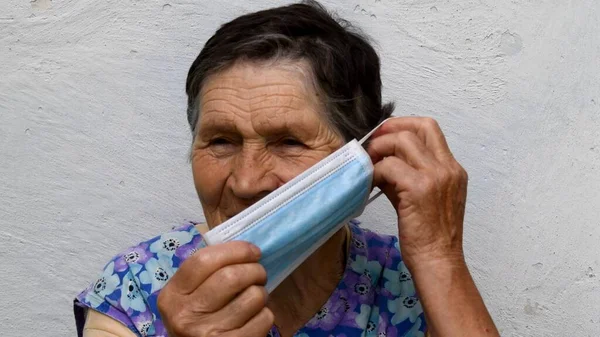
(345, 67)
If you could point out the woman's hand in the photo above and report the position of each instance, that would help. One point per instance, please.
(416, 170)
(219, 291)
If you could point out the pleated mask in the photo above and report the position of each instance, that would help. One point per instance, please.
(292, 222)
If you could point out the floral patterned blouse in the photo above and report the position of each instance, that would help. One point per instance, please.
(375, 297)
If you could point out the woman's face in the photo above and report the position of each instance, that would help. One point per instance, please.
(260, 126)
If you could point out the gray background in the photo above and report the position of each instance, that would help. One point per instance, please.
(93, 141)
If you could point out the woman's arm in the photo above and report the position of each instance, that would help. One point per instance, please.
(100, 325)
(451, 301)
(416, 170)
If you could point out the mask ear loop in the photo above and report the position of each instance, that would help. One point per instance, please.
(363, 143)
(371, 199)
(368, 135)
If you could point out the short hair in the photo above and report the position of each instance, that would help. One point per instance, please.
(344, 66)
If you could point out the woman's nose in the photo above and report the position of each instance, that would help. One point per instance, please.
(252, 176)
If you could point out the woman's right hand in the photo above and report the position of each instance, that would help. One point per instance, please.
(218, 291)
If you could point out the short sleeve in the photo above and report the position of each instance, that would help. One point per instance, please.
(128, 287)
(105, 295)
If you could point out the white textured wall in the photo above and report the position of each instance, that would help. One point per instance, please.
(93, 141)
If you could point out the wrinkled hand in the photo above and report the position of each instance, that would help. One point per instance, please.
(417, 172)
(218, 291)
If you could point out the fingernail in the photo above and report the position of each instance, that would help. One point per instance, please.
(256, 250)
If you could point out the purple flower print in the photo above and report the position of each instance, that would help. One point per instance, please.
(159, 329)
(330, 314)
(185, 251)
(359, 287)
(384, 329)
(379, 254)
(350, 303)
(135, 255)
(385, 240)
(143, 323)
(358, 243)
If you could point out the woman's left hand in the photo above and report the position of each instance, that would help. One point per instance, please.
(417, 172)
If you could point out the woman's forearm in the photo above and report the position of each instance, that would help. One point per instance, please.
(451, 301)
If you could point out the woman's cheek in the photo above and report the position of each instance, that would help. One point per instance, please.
(210, 174)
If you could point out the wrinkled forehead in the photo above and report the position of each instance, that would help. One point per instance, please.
(253, 79)
(269, 95)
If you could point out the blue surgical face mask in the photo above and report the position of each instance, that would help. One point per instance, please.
(290, 223)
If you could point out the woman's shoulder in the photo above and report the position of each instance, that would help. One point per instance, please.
(128, 286)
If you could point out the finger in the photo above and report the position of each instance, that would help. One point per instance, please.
(245, 306)
(226, 283)
(394, 175)
(198, 267)
(425, 128)
(257, 326)
(403, 144)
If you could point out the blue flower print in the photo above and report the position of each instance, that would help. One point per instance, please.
(371, 269)
(415, 330)
(405, 308)
(104, 286)
(405, 287)
(143, 324)
(168, 243)
(157, 272)
(131, 295)
(362, 319)
(371, 329)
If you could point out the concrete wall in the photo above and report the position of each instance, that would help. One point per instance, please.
(93, 141)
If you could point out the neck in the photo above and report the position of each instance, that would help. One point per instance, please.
(295, 301)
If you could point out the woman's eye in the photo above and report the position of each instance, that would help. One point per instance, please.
(219, 141)
(291, 142)
(222, 146)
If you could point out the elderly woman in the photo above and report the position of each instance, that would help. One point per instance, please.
(271, 94)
